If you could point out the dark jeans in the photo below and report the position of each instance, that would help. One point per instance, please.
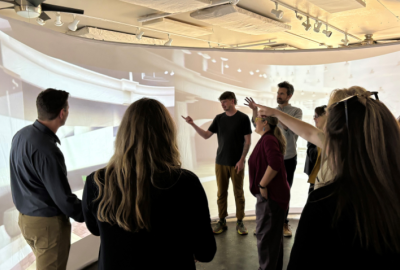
(269, 223)
(290, 166)
(311, 189)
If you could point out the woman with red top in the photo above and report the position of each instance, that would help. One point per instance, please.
(269, 184)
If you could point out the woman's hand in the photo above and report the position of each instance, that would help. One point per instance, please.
(250, 103)
(264, 110)
(264, 193)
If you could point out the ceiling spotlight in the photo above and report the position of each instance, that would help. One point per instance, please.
(313, 94)
(265, 76)
(260, 75)
(327, 32)
(166, 72)
(226, 66)
(239, 70)
(257, 71)
(317, 26)
(140, 34)
(307, 24)
(251, 73)
(214, 61)
(172, 73)
(40, 21)
(58, 21)
(278, 13)
(169, 42)
(298, 16)
(345, 40)
(74, 25)
(302, 92)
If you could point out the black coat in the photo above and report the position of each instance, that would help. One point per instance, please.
(180, 229)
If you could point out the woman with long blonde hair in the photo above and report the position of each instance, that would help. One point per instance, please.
(353, 221)
(268, 183)
(134, 203)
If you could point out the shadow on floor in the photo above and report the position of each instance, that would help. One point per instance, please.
(238, 252)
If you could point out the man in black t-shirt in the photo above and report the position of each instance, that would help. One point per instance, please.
(233, 129)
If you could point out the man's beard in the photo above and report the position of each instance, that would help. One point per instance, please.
(280, 101)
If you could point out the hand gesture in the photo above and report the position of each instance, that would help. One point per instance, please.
(250, 103)
(264, 110)
(239, 166)
(188, 120)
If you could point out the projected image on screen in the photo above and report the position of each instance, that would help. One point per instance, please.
(105, 80)
(97, 104)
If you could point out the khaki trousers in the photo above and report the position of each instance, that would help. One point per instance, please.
(223, 174)
(49, 238)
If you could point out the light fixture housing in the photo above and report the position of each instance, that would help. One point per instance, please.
(58, 21)
(28, 11)
(345, 40)
(40, 21)
(74, 25)
(278, 13)
(306, 24)
(169, 42)
(327, 33)
(140, 35)
(317, 26)
(298, 16)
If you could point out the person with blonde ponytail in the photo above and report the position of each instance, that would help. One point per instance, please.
(268, 184)
(133, 202)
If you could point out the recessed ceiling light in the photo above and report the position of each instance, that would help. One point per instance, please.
(172, 73)
(251, 73)
(239, 70)
(226, 66)
(166, 72)
(214, 61)
(257, 71)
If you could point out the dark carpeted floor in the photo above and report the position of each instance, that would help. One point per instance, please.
(238, 252)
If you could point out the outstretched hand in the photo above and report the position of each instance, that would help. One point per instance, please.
(251, 103)
(188, 120)
(264, 110)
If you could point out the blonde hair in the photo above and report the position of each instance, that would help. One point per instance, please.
(339, 94)
(145, 147)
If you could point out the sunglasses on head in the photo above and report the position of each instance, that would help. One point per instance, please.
(354, 98)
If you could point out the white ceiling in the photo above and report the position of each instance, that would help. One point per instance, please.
(379, 17)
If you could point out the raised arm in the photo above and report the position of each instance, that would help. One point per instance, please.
(303, 129)
(203, 133)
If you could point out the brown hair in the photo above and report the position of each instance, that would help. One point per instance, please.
(365, 157)
(320, 111)
(50, 102)
(273, 122)
(228, 95)
(145, 147)
(289, 88)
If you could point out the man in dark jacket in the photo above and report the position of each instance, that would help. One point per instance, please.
(39, 183)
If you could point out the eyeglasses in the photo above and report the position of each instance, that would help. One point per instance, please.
(348, 100)
(260, 118)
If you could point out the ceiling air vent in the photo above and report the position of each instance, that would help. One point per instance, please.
(240, 20)
(172, 26)
(334, 6)
(170, 6)
(114, 36)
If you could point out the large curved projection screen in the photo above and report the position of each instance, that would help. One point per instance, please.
(104, 78)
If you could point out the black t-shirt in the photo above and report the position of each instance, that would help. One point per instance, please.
(230, 131)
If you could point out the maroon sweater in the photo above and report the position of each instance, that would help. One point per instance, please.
(267, 153)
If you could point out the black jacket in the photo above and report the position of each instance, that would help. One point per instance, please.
(180, 229)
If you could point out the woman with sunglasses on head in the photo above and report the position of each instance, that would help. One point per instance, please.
(358, 213)
(268, 184)
(313, 159)
(134, 203)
